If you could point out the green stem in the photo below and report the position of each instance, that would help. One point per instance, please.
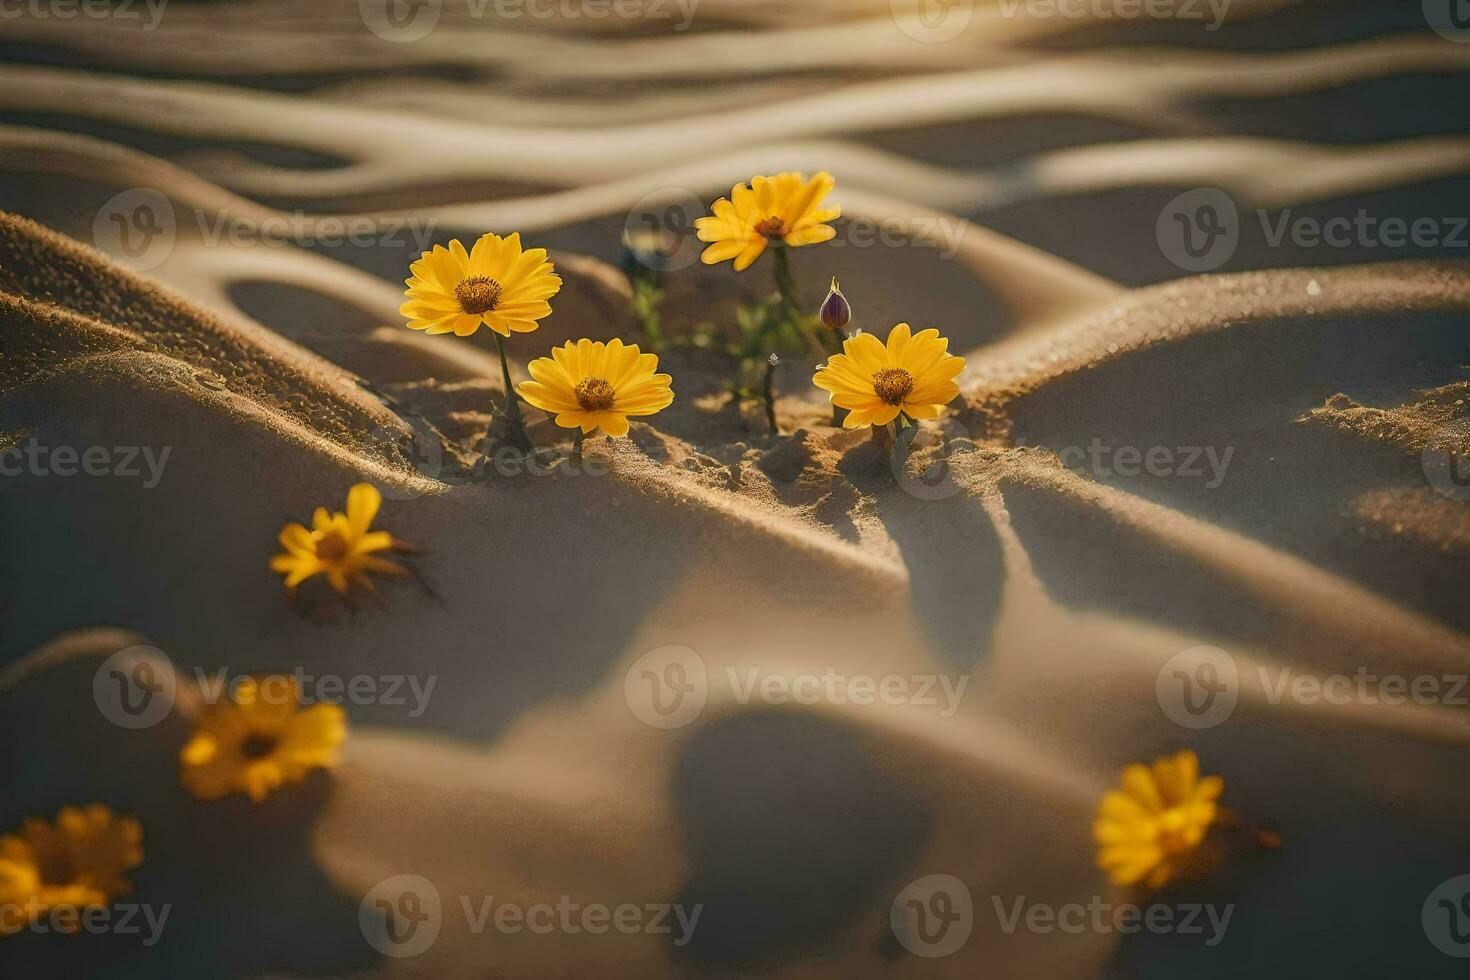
(512, 403)
(786, 285)
(903, 432)
(577, 444)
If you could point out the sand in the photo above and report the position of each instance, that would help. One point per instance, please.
(279, 376)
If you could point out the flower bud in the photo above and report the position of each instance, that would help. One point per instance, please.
(835, 313)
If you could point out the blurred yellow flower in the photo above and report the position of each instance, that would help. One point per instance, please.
(339, 545)
(259, 737)
(591, 385)
(76, 862)
(496, 283)
(1147, 829)
(912, 373)
(785, 207)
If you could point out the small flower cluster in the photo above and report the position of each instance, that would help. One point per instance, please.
(909, 377)
(249, 743)
(586, 385)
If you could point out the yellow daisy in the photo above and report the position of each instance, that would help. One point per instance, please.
(786, 207)
(258, 738)
(495, 283)
(1146, 830)
(913, 374)
(591, 385)
(339, 546)
(76, 862)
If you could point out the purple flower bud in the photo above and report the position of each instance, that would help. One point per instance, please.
(835, 313)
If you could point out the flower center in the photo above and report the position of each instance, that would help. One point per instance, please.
(331, 547)
(477, 294)
(892, 385)
(594, 395)
(1171, 826)
(258, 745)
(772, 227)
(57, 868)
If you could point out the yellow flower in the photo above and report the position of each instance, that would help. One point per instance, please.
(591, 385)
(495, 283)
(1147, 829)
(77, 862)
(258, 738)
(340, 545)
(913, 374)
(786, 206)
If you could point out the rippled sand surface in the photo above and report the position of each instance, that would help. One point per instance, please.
(1020, 171)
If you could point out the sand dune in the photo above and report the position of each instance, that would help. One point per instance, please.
(1054, 596)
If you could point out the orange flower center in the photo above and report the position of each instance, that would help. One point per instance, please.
(477, 294)
(594, 395)
(331, 547)
(772, 227)
(56, 867)
(892, 385)
(258, 745)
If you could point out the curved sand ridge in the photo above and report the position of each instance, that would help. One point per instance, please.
(1150, 88)
(292, 37)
